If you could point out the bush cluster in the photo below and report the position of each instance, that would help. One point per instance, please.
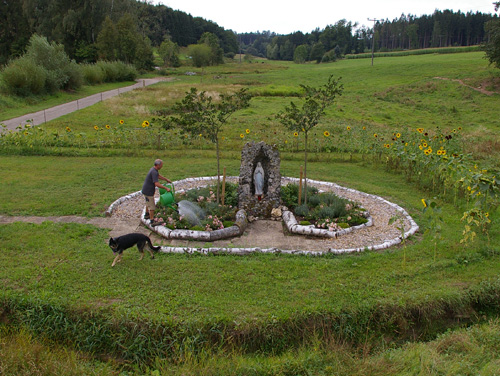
(45, 68)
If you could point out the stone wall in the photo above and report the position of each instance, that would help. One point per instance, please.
(269, 158)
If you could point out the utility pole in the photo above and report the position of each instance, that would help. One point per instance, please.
(373, 36)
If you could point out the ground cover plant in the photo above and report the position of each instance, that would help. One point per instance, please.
(323, 210)
(268, 314)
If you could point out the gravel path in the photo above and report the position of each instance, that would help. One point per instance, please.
(269, 234)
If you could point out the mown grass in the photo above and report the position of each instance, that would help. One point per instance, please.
(261, 314)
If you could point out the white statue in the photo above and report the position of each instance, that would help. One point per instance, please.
(258, 180)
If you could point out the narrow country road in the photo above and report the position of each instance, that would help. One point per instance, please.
(48, 114)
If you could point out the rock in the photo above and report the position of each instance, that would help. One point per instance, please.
(276, 213)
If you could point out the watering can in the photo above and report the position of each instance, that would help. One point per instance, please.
(167, 198)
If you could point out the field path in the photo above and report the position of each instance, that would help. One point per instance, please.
(48, 114)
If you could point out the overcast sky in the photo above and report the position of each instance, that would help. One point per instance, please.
(285, 17)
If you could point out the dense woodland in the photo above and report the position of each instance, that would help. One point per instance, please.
(77, 25)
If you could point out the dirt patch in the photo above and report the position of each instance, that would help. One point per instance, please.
(495, 83)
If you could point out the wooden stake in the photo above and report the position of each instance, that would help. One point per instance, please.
(223, 185)
(300, 185)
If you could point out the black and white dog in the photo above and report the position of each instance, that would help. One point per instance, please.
(121, 243)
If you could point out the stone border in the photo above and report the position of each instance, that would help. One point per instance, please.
(244, 251)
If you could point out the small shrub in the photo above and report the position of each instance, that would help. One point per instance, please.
(24, 77)
(93, 74)
(302, 210)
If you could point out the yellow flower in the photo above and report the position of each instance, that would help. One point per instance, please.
(424, 144)
(248, 131)
(26, 133)
(398, 135)
(423, 202)
(326, 134)
(364, 128)
(96, 127)
(145, 124)
(348, 128)
(107, 126)
(420, 130)
(68, 129)
(242, 135)
(375, 135)
(286, 141)
(200, 135)
(295, 134)
(121, 122)
(303, 130)
(420, 147)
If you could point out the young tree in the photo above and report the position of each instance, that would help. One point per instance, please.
(201, 114)
(200, 55)
(216, 52)
(300, 54)
(169, 53)
(305, 118)
(492, 47)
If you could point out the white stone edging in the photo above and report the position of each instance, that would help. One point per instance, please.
(243, 251)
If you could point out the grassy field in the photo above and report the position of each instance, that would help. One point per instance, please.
(427, 307)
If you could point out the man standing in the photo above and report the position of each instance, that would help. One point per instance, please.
(148, 189)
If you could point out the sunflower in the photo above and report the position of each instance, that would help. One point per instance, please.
(375, 135)
(398, 135)
(420, 130)
(326, 134)
(68, 129)
(242, 135)
(107, 126)
(121, 122)
(247, 131)
(96, 127)
(348, 128)
(364, 128)
(145, 124)
(295, 134)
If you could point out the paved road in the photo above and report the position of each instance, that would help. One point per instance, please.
(43, 116)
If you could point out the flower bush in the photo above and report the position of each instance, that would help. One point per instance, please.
(323, 210)
(216, 217)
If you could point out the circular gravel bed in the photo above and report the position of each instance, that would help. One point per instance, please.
(379, 235)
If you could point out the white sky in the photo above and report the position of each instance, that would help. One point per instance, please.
(285, 17)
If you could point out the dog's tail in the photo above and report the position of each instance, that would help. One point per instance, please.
(151, 246)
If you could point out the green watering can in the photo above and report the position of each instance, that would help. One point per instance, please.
(168, 198)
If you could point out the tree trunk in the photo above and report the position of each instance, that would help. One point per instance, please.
(218, 168)
(305, 169)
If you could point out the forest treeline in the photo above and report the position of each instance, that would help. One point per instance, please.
(77, 26)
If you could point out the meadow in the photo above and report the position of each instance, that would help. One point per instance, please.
(429, 306)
